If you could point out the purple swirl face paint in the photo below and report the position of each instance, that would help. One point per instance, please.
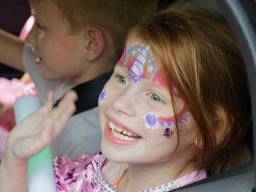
(102, 97)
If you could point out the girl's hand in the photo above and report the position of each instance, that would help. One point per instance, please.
(39, 129)
(30, 137)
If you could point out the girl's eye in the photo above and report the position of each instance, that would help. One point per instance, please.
(121, 79)
(156, 98)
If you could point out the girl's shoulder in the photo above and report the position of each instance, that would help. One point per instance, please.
(78, 173)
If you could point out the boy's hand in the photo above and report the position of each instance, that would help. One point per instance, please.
(39, 129)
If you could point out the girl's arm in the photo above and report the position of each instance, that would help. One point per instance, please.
(29, 138)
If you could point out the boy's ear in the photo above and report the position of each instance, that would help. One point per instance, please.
(94, 43)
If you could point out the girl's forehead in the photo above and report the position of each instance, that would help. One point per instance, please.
(142, 63)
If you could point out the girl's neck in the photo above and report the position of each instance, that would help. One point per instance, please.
(140, 177)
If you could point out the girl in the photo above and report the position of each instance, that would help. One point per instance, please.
(173, 112)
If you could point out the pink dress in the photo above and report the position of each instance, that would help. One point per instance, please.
(84, 175)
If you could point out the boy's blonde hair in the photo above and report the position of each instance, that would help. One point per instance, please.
(202, 60)
(114, 16)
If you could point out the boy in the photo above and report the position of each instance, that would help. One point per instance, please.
(74, 45)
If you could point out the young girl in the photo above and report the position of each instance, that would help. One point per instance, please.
(173, 112)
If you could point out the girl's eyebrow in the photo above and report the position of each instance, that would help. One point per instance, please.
(163, 91)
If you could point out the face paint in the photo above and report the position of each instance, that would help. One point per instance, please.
(141, 64)
(161, 79)
(170, 121)
(137, 63)
(175, 91)
(102, 97)
(122, 58)
(151, 120)
(135, 71)
(167, 132)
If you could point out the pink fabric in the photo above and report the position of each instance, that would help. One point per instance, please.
(12, 89)
(192, 177)
(80, 174)
(77, 175)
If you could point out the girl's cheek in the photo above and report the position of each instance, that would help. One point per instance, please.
(102, 97)
(165, 125)
(107, 94)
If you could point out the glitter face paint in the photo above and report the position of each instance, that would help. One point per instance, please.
(142, 65)
(130, 105)
(152, 121)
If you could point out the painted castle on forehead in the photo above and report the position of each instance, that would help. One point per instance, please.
(140, 63)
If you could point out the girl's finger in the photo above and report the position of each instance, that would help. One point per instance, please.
(62, 113)
(48, 104)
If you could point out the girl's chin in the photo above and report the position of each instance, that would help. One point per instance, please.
(116, 154)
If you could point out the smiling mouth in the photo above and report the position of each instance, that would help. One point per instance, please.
(120, 135)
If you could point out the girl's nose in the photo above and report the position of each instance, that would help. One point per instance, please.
(125, 103)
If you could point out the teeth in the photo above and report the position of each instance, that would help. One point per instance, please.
(121, 133)
(111, 125)
(120, 136)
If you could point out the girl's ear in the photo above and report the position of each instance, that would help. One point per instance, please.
(198, 143)
(94, 44)
(221, 125)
